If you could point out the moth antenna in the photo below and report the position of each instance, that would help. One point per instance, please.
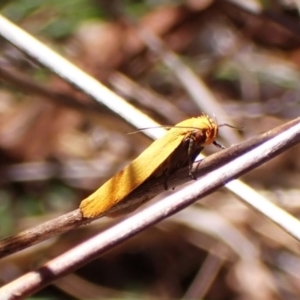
(215, 117)
(218, 145)
(163, 126)
(231, 126)
(146, 128)
(226, 124)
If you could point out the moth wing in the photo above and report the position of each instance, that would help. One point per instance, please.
(138, 171)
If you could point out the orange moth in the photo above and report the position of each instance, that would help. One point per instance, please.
(178, 148)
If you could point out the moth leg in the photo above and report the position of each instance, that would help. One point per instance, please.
(198, 164)
(218, 145)
(166, 177)
(190, 156)
(191, 173)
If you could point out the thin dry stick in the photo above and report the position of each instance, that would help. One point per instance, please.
(26, 84)
(207, 274)
(145, 192)
(252, 6)
(91, 249)
(199, 220)
(129, 88)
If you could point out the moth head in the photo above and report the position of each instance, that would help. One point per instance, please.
(209, 128)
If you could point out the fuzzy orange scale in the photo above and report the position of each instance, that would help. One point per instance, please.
(147, 163)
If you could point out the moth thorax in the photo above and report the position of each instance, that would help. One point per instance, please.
(211, 134)
(210, 131)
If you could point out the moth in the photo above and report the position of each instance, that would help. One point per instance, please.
(178, 148)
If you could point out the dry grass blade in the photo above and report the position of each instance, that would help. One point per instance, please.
(151, 100)
(104, 241)
(252, 6)
(205, 276)
(26, 84)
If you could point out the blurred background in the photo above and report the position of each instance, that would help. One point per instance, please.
(57, 145)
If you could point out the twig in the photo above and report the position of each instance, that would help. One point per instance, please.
(129, 88)
(211, 223)
(26, 84)
(252, 6)
(149, 190)
(207, 274)
(256, 8)
(108, 239)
